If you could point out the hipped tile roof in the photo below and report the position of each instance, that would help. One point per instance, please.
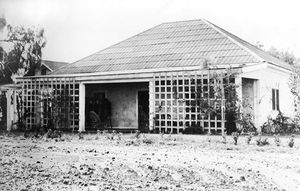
(173, 44)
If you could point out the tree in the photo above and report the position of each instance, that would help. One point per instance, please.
(24, 54)
(285, 56)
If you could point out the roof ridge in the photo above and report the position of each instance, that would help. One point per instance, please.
(54, 61)
(182, 21)
(233, 40)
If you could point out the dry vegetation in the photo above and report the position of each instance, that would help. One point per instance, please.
(148, 162)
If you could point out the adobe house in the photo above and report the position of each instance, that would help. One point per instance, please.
(151, 80)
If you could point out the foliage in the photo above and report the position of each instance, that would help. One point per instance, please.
(285, 56)
(3, 108)
(280, 124)
(195, 129)
(21, 112)
(53, 134)
(25, 53)
(294, 84)
(56, 107)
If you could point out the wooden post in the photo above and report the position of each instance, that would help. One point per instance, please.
(208, 99)
(81, 107)
(223, 107)
(151, 103)
(238, 82)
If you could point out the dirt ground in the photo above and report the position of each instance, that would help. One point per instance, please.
(152, 162)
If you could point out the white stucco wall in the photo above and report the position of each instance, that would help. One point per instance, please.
(269, 77)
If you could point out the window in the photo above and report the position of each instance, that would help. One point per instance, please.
(275, 99)
(43, 71)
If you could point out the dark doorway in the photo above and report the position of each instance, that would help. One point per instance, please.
(98, 110)
(3, 111)
(143, 111)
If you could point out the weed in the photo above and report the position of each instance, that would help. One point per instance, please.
(235, 136)
(80, 135)
(262, 141)
(147, 140)
(208, 136)
(224, 138)
(120, 136)
(161, 134)
(137, 134)
(98, 135)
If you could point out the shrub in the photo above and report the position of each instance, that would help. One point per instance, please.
(249, 138)
(235, 136)
(53, 134)
(280, 124)
(291, 141)
(277, 140)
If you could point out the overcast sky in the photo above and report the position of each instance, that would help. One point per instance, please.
(77, 28)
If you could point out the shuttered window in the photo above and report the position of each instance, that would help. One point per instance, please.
(275, 99)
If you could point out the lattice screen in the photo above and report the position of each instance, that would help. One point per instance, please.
(179, 99)
(42, 96)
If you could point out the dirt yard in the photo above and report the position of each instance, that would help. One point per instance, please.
(152, 162)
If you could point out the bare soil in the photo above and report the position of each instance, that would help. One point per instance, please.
(151, 162)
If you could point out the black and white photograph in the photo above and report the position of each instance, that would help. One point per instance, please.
(146, 95)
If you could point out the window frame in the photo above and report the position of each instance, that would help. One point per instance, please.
(275, 100)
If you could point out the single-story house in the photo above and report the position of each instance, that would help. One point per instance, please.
(152, 81)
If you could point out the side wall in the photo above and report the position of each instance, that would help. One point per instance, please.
(269, 78)
(123, 98)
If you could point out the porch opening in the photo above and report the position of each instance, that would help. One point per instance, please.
(116, 106)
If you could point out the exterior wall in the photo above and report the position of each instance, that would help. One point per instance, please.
(123, 98)
(268, 78)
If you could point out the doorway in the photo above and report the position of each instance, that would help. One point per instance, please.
(143, 111)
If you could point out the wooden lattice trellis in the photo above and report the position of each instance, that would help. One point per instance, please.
(36, 101)
(177, 101)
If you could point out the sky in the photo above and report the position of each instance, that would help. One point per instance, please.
(77, 28)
